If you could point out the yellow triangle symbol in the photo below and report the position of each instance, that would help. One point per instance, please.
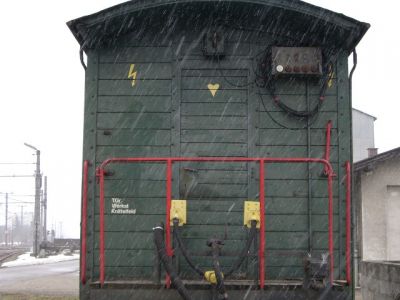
(213, 88)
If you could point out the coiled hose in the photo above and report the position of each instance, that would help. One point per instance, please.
(167, 262)
(236, 265)
(215, 248)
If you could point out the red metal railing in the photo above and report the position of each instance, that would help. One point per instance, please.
(84, 221)
(348, 222)
(170, 161)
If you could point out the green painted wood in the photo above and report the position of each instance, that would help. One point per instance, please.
(225, 83)
(135, 55)
(138, 258)
(139, 137)
(201, 72)
(213, 149)
(138, 188)
(105, 152)
(273, 222)
(220, 136)
(214, 109)
(274, 205)
(344, 118)
(213, 122)
(138, 171)
(295, 171)
(223, 96)
(135, 104)
(320, 120)
(89, 153)
(141, 244)
(220, 176)
(281, 137)
(227, 166)
(151, 87)
(297, 86)
(144, 70)
(133, 120)
(299, 102)
(142, 122)
(297, 151)
(231, 49)
(125, 272)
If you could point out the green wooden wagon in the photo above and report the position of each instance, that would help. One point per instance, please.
(225, 104)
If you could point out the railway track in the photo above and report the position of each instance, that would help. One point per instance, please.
(7, 253)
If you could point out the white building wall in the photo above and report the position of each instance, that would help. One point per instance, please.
(380, 192)
(363, 134)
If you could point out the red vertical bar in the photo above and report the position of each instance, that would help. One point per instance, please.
(348, 222)
(330, 225)
(102, 271)
(84, 216)
(328, 144)
(167, 219)
(262, 225)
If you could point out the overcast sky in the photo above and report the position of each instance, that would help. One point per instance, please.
(42, 88)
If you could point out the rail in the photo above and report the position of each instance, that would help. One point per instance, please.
(84, 221)
(169, 162)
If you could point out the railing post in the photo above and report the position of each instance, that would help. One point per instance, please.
(262, 224)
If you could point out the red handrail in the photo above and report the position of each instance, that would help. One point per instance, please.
(348, 222)
(170, 161)
(84, 221)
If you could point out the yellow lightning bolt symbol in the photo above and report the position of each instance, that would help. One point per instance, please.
(132, 74)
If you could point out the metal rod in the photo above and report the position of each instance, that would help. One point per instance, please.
(6, 227)
(45, 209)
(348, 222)
(167, 217)
(262, 225)
(84, 216)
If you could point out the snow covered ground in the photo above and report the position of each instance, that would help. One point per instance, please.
(26, 259)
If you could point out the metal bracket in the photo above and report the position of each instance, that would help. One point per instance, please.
(251, 213)
(178, 211)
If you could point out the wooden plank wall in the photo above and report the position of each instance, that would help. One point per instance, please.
(171, 112)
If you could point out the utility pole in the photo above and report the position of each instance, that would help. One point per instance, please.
(6, 227)
(22, 216)
(36, 217)
(45, 210)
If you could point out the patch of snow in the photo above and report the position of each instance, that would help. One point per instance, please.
(26, 259)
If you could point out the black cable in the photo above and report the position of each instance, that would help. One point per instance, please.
(280, 124)
(183, 249)
(215, 247)
(82, 59)
(293, 112)
(245, 251)
(167, 262)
